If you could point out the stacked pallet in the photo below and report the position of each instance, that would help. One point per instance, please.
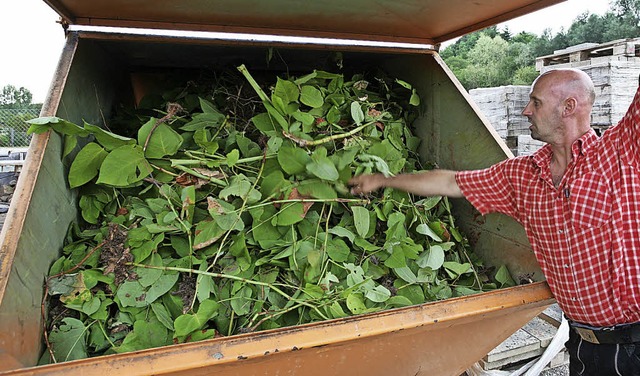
(502, 106)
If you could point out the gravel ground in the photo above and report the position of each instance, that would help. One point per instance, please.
(562, 370)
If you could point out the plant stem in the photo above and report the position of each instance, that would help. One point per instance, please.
(190, 171)
(304, 143)
(235, 278)
(342, 200)
(239, 210)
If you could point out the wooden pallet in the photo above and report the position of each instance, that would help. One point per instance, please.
(624, 48)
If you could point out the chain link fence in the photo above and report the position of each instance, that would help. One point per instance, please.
(13, 126)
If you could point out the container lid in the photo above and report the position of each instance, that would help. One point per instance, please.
(406, 21)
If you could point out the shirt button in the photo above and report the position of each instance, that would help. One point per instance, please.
(560, 231)
(566, 266)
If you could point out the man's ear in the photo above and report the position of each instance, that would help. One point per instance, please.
(570, 105)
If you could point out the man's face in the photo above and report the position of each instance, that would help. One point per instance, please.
(543, 111)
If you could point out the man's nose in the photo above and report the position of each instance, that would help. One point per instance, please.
(525, 110)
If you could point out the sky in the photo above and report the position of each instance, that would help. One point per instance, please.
(32, 40)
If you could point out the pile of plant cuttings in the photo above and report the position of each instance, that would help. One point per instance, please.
(227, 211)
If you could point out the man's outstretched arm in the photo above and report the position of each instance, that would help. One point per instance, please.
(425, 183)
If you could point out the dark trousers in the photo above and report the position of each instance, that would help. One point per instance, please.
(588, 359)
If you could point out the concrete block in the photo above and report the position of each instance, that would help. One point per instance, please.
(517, 344)
(504, 363)
(552, 315)
(541, 330)
(560, 359)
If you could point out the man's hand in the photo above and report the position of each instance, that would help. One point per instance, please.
(366, 183)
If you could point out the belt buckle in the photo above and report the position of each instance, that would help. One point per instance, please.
(587, 334)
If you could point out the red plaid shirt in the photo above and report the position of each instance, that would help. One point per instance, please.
(586, 232)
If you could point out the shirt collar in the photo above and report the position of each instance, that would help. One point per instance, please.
(579, 147)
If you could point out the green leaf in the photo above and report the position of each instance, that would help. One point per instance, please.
(265, 123)
(375, 163)
(207, 233)
(504, 277)
(379, 294)
(406, 274)
(317, 189)
(241, 187)
(356, 113)
(162, 142)
(336, 311)
(342, 232)
(277, 116)
(131, 294)
(397, 258)
(148, 276)
(124, 166)
(423, 229)
(86, 164)
(305, 118)
(163, 315)
(311, 96)
(456, 269)
(415, 98)
(290, 213)
(413, 293)
(91, 306)
(398, 301)
(286, 90)
(323, 168)
(43, 124)
(232, 157)
(404, 84)
(293, 160)
(68, 340)
(273, 183)
(204, 284)
(145, 335)
(429, 203)
(208, 107)
(203, 121)
(361, 220)
(239, 250)
(432, 258)
(64, 284)
(109, 140)
(355, 303)
(189, 323)
(161, 286)
(338, 250)
(241, 301)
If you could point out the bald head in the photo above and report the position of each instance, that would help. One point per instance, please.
(559, 107)
(568, 83)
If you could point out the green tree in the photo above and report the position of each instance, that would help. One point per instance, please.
(485, 61)
(12, 97)
(626, 7)
(492, 57)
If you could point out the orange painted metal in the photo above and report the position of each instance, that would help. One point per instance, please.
(434, 339)
(415, 21)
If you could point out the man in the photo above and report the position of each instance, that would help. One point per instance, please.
(578, 199)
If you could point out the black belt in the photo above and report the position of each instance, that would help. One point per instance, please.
(619, 334)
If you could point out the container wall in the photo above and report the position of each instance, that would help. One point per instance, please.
(97, 77)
